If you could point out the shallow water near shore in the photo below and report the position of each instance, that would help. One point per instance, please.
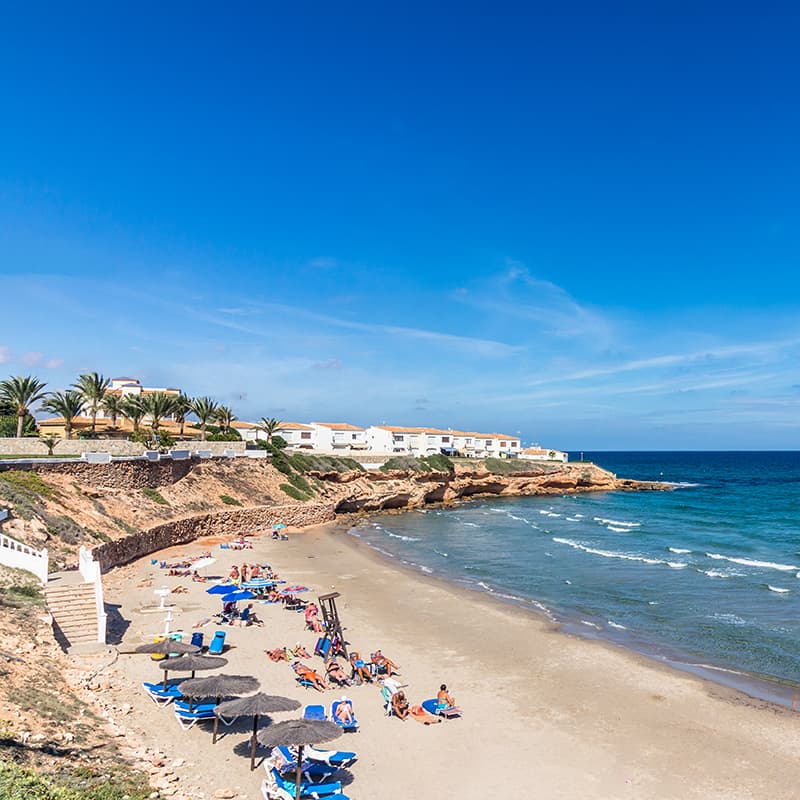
(704, 578)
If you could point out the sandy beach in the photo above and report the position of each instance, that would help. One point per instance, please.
(546, 714)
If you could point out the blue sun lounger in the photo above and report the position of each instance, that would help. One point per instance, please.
(308, 789)
(341, 759)
(217, 644)
(163, 696)
(314, 712)
(188, 719)
(285, 761)
(347, 727)
(271, 792)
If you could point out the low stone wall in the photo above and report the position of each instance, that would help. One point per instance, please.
(118, 474)
(224, 523)
(31, 446)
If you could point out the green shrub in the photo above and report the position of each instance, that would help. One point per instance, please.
(155, 496)
(228, 500)
(230, 436)
(29, 483)
(279, 443)
(129, 529)
(142, 436)
(64, 528)
(165, 439)
(292, 492)
(299, 482)
(439, 462)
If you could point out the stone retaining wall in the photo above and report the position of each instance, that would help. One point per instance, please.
(118, 474)
(224, 523)
(31, 446)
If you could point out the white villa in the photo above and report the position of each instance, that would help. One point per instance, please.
(427, 441)
(336, 436)
(130, 387)
(540, 454)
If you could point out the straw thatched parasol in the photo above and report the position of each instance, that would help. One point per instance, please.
(167, 646)
(190, 663)
(255, 706)
(299, 733)
(218, 686)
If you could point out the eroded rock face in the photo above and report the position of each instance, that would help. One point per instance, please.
(381, 491)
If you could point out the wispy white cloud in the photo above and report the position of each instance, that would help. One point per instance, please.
(32, 359)
(5, 354)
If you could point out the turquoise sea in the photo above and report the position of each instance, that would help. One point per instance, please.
(705, 577)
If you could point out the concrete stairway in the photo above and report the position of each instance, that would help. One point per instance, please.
(72, 604)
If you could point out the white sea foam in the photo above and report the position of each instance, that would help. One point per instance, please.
(400, 536)
(485, 586)
(439, 552)
(618, 530)
(607, 553)
(576, 518)
(569, 583)
(678, 550)
(612, 624)
(728, 619)
(604, 521)
(426, 569)
(590, 624)
(676, 564)
(546, 513)
(518, 519)
(652, 602)
(715, 573)
(579, 515)
(471, 524)
(777, 589)
(747, 562)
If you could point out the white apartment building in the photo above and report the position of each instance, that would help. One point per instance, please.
(341, 436)
(129, 387)
(486, 445)
(297, 435)
(408, 441)
(540, 454)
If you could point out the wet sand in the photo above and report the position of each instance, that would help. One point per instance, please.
(546, 714)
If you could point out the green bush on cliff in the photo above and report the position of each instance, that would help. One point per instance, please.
(303, 462)
(155, 496)
(19, 783)
(228, 500)
(433, 463)
(296, 494)
(300, 483)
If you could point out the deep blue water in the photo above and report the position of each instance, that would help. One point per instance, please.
(703, 575)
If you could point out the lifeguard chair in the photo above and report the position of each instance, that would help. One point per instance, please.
(332, 640)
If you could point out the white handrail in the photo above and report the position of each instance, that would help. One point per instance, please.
(22, 556)
(90, 571)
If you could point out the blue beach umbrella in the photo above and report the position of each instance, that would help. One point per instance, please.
(221, 588)
(235, 597)
(258, 583)
(278, 527)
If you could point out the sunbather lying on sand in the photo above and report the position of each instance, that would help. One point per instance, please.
(181, 573)
(279, 654)
(198, 578)
(421, 715)
(337, 674)
(308, 674)
(298, 651)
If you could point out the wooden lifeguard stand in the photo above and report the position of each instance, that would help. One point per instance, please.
(332, 625)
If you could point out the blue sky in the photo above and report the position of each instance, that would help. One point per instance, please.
(577, 225)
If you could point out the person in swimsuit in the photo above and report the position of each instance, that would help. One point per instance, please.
(400, 705)
(444, 699)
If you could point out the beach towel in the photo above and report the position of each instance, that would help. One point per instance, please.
(421, 715)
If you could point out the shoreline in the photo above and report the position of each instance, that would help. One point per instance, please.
(755, 687)
(584, 719)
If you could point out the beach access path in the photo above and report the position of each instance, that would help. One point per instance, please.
(546, 714)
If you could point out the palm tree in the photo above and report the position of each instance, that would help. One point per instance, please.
(133, 410)
(183, 405)
(65, 404)
(50, 443)
(92, 387)
(225, 417)
(112, 404)
(205, 409)
(270, 426)
(158, 405)
(21, 393)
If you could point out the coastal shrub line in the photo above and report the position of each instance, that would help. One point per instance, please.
(228, 500)
(20, 783)
(295, 494)
(438, 462)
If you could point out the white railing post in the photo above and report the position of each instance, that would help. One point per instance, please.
(90, 571)
(22, 556)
